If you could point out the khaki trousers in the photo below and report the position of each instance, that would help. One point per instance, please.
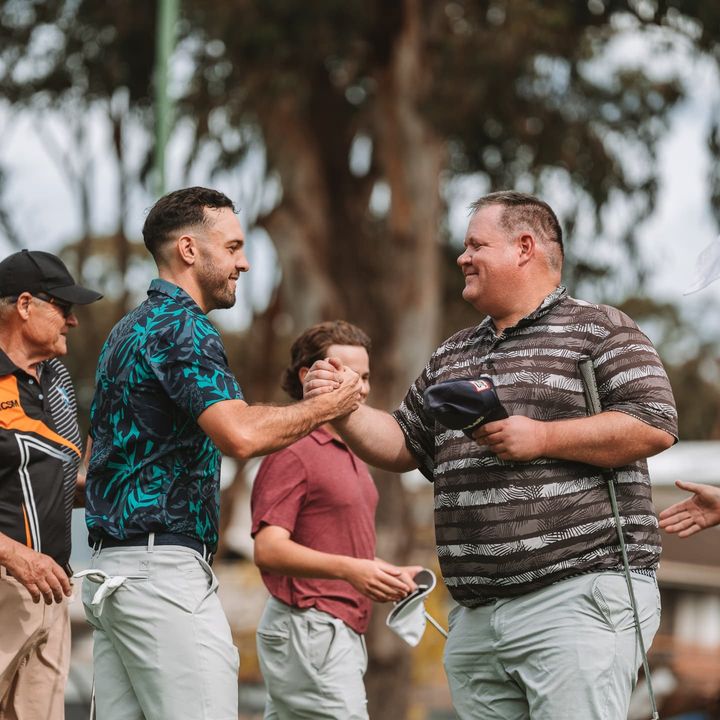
(34, 654)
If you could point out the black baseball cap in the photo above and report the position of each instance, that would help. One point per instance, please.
(464, 404)
(35, 271)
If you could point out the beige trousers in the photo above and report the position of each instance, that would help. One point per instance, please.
(34, 654)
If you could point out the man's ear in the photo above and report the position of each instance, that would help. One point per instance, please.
(23, 305)
(526, 248)
(186, 247)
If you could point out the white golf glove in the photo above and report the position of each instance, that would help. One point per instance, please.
(108, 585)
(407, 618)
(707, 267)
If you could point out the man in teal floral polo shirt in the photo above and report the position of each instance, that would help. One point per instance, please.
(166, 406)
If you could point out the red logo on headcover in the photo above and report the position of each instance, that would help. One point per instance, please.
(481, 385)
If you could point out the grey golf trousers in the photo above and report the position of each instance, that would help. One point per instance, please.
(565, 652)
(162, 644)
(313, 665)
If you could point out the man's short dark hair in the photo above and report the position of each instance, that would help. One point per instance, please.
(313, 344)
(521, 209)
(178, 210)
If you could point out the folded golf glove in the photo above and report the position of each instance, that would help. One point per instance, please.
(407, 618)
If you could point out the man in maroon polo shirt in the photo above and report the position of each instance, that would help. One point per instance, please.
(313, 520)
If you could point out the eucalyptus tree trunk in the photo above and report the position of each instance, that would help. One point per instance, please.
(382, 273)
(407, 322)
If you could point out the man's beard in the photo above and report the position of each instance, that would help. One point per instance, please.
(215, 287)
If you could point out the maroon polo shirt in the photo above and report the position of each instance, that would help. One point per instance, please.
(321, 493)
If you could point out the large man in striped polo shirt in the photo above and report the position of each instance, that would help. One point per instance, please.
(527, 545)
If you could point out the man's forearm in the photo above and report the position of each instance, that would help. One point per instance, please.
(609, 439)
(244, 431)
(39, 573)
(373, 435)
(286, 557)
(265, 428)
(376, 437)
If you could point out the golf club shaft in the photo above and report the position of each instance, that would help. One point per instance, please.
(592, 398)
(436, 624)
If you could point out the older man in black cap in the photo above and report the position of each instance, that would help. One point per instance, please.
(39, 461)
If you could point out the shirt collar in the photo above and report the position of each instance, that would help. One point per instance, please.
(549, 302)
(7, 366)
(558, 294)
(322, 437)
(163, 287)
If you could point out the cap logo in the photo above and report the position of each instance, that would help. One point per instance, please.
(481, 385)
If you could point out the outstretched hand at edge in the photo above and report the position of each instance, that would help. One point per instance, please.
(694, 514)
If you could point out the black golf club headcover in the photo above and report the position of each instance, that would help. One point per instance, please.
(464, 404)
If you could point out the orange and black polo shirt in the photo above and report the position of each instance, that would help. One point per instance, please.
(39, 456)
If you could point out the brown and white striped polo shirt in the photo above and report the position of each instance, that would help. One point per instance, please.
(507, 528)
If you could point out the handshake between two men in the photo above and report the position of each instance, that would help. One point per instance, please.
(472, 406)
(609, 439)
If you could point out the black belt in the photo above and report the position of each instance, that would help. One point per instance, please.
(159, 539)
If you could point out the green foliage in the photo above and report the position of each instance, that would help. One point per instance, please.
(525, 93)
(75, 50)
(522, 94)
(366, 113)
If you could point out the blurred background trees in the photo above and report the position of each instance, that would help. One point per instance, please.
(355, 133)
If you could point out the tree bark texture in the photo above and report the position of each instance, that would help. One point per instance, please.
(382, 273)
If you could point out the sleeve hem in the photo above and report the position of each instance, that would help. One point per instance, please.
(258, 525)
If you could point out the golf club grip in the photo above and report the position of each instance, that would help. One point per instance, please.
(592, 396)
(592, 400)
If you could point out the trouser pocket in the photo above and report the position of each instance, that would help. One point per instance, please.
(321, 634)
